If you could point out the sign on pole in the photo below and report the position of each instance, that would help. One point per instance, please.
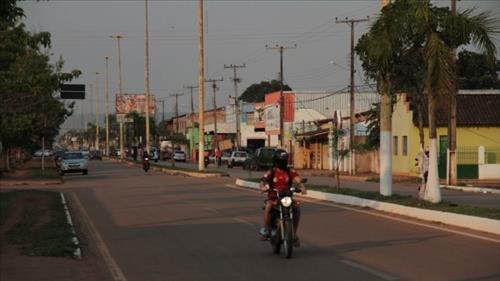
(73, 91)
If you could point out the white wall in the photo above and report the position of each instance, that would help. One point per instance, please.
(489, 171)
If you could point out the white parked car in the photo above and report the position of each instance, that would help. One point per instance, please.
(179, 156)
(74, 162)
(237, 159)
(45, 153)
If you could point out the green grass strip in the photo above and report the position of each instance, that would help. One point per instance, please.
(50, 239)
(49, 173)
(408, 200)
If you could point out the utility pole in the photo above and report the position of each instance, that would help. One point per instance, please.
(107, 105)
(201, 90)
(282, 98)
(176, 109)
(146, 72)
(451, 178)
(97, 110)
(214, 88)
(351, 22)
(236, 80)
(118, 37)
(191, 91)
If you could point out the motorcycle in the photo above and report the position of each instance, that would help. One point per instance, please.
(282, 218)
(145, 164)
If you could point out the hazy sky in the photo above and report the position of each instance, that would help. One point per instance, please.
(236, 33)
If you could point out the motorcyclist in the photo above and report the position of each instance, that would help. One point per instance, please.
(281, 178)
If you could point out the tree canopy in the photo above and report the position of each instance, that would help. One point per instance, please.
(474, 71)
(257, 92)
(28, 82)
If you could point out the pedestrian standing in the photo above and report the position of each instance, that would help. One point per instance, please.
(218, 156)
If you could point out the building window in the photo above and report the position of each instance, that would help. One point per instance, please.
(395, 145)
(405, 146)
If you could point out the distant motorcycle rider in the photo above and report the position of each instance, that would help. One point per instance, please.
(281, 178)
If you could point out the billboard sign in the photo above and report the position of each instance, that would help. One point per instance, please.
(127, 103)
(272, 119)
(73, 91)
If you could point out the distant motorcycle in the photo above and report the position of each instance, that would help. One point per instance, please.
(145, 164)
(282, 232)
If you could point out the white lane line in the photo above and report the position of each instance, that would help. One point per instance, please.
(113, 267)
(330, 204)
(369, 270)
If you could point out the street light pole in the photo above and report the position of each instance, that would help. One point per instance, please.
(201, 90)
(146, 72)
(97, 111)
(107, 105)
(118, 37)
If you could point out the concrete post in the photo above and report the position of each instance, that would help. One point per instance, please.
(480, 155)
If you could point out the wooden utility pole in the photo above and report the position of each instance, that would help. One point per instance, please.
(452, 125)
(146, 72)
(214, 89)
(201, 90)
(118, 37)
(351, 22)
(236, 80)
(191, 87)
(282, 98)
(176, 109)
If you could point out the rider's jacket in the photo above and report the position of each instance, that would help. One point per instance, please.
(280, 180)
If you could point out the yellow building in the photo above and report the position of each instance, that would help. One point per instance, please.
(478, 124)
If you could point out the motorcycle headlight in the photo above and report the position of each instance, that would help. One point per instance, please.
(286, 201)
(146, 159)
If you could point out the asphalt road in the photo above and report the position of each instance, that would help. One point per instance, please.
(454, 196)
(151, 226)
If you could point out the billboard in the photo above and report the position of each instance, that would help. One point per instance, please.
(127, 103)
(272, 119)
(73, 91)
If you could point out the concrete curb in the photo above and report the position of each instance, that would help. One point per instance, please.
(465, 221)
(78, 252)
(472, 189)
(170, 171)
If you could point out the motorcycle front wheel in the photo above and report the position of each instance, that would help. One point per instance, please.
(288, 241)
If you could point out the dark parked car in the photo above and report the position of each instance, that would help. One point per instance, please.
(262, 159)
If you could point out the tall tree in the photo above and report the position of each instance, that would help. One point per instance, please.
(28, 82)
(444, 32)
(257, 92)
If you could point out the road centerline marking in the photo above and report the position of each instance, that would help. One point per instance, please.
(369, 270)
(374, 213)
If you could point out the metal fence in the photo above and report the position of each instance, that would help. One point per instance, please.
(492, 155)
(467, 155)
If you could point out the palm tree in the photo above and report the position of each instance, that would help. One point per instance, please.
(444, 32)
(402, 27)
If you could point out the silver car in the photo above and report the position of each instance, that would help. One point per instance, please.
(74, 162)
(179, 156)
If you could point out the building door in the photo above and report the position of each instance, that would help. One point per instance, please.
(443, 147)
